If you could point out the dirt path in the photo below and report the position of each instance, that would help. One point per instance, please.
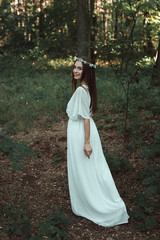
(43, 184)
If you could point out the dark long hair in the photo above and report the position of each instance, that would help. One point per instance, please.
(88, 75)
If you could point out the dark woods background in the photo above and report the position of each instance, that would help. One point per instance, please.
(103, 29)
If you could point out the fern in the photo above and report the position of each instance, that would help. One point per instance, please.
(145, 205)
(16, 151)
(18, 220)
(143, 213)
(117, 163)
(55, 226)
(152, 150)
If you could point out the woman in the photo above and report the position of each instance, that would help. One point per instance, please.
(92, 189)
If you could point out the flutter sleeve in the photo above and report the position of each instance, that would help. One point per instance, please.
(79, 105)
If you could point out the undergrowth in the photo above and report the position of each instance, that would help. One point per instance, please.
(31, 93)
(117, 163)
(18, 223)
(146, 201)
(16, 151)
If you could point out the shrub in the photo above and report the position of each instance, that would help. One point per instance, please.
(116, 163)
(54, 227)
(18, 222)
(146, 201)
(16, 151)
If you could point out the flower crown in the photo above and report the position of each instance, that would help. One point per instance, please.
(85, 62)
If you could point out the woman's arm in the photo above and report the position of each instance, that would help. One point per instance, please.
(87, 146)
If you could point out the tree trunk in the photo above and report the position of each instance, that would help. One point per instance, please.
(26, 33)
(34, 19)
(116, 24)
(83, 27)
(41, 19)
(156, 69)
(93, 23)
(148, 46)
(104, 20)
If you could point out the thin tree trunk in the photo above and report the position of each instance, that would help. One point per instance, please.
(34, 19)
(83, 27)
(156, 69)
(116, 24)
(148, 46)
(93, 21)
(26, 22)
(104, 21)
(41, 19)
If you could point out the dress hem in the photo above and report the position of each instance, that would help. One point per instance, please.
(102, 224)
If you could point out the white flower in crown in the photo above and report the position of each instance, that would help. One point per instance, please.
(85, 62)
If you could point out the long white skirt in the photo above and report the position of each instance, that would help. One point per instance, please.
(92, 189)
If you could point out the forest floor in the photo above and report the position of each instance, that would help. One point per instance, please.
(43, 184)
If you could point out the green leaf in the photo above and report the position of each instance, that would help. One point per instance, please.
(151, 190)
(148, 209)
(17, 151)
(150, 222)
(56, 160)
(138, 214)
(149, 180)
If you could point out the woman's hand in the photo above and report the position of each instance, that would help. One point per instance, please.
(87, 149)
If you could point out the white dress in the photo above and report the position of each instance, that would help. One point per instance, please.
(92, 189)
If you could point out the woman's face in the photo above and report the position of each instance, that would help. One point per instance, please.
(77, 70)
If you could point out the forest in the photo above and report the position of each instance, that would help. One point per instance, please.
(38, 42)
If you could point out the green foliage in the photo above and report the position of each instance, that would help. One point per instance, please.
(140, 126)
(117, 163)
(56, 160)
(38, 57)
(37, 93)
(100, 126)
(144, 95)
(142, 201)
(33, 93)
(150, 178)
(55, 226)
(127, 53)
(151, 150)
(16, 151)
(60, 36)
(110, 92)
(18, 222)
(132, 36)
(144, 212)
(51, 26)
(146, 201)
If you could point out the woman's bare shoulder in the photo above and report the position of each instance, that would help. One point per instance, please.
(82, 88)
